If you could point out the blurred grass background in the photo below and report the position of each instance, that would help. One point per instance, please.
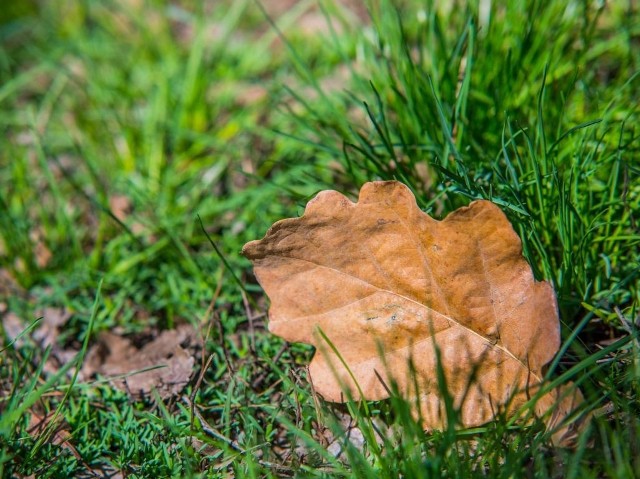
(123, 121)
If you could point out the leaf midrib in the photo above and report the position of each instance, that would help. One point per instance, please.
(448, 318)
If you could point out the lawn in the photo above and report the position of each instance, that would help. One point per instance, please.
(145, 142)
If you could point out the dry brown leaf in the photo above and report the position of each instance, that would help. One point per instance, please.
(57, 431)
(12, 326)
(120, 206)
(162, 364)
(53, 319)
(381, 275)
(45, 332)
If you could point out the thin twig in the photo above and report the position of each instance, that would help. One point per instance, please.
(213, 432)
(210, 430)
(382, 381)
(197, 386)
(210, 313)
(316, 400)
(250, 317)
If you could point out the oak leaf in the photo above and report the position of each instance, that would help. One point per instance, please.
(386, 293)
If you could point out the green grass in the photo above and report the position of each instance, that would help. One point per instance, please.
(214, 111)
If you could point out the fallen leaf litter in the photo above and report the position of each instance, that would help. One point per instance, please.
(354, 279)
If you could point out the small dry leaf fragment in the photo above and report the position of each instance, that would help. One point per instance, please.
(53, 319)
(45, 332)
(381, 275)
(162, 364)
(120, 206)
(12, 326)
(59, 434)
(41, 252)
